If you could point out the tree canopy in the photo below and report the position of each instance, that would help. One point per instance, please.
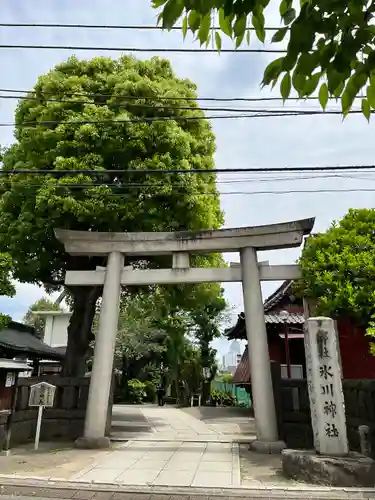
(43, 304)
(7, 288)
(338, 268)
(330, 43)
(162, 340)
(106, 116)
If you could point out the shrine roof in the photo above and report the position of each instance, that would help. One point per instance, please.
(238, 331)
(21, 339)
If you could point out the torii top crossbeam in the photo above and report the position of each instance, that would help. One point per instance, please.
(266, 237)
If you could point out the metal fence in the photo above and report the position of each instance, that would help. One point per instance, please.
(242, 397)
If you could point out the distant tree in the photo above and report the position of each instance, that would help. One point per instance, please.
(43, 304)
(140, 342)
(7, 288)
(208, 315)
(338, 269)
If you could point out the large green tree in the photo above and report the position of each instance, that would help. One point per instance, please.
(338, 268)
(140, 341)
(79, 117)
(7, 287)
(38, 322)
(330, 42)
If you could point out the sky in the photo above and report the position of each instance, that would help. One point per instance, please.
(323, 140)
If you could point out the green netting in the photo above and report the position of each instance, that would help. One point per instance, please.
(242, 397)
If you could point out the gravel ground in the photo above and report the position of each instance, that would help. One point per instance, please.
(258, 469)
(59, 460)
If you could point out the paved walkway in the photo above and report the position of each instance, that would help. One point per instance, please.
(168, 464)
(160, 447)
(206, 424)
(171, 447)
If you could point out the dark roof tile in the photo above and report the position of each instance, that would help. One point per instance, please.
(18, 337)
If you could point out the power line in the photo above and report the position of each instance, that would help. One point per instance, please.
(160, 105)
(145, 185)
(252, 193)
(139, 49)
(108, 26)
(156, 98)
(151, 119)
(184, 171)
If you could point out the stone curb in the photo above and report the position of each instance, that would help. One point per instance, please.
(58, 488)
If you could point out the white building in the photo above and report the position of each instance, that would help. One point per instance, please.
(233, 357)
(55, 327)
(55, 335)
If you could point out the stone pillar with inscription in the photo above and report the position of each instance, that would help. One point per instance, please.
(324, 380)
(331, 463)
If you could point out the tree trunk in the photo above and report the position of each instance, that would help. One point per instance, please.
(79, 330)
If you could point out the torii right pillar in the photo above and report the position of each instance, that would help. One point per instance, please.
(260, 368)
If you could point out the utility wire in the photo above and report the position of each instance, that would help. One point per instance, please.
(252, 193)
(108, 26)
(133, 185)
(139, 49)
(267, 170)
(154, 98)
(151, 119)
(159, 106)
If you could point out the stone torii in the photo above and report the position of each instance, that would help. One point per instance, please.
(245, 240)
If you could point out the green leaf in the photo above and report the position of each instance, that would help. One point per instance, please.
(348, 97)
(334, 79)
(172, 12)
(258, 24)
(279, 35)
(240, 26)
(285, 86)
(371, 95)
(338, 91)
(224, 23)
(284, 6)
(194, 20)
(208, 39)
(311, 84)
(204, 28)
(355, 83)
(184, 27)
(218, 40)
(248, 36)
(289, 16)
(323, 95)
(366, 109)
(273, 71)
(158, 3)
(239, 40)
(299, 82)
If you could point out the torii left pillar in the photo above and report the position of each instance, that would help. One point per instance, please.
(105, 341)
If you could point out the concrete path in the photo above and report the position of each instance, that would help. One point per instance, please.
(153, 423)
(158, 448)
(173, 463)
(170, 447)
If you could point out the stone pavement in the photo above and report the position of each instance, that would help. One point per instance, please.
(168, 464)
(206, 424)
(161, 453)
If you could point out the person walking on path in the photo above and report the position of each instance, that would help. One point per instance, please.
(161, 393)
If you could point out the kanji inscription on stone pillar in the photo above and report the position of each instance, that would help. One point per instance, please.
(324, 380)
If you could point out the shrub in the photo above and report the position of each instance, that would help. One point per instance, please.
(136, 391)
(150, 389)
(222, 398)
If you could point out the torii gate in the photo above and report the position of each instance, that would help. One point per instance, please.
(246, 240)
